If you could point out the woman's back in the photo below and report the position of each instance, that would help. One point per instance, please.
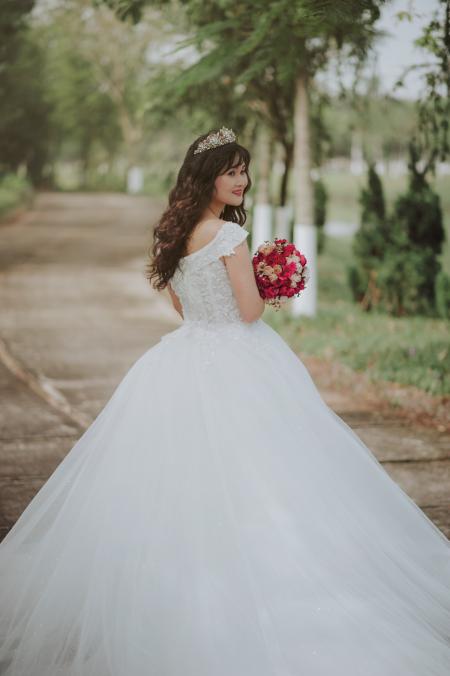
(202, 283)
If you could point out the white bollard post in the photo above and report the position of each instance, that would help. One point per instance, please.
(283, 217)
(135, 180)
(305, 240)
(262, 225)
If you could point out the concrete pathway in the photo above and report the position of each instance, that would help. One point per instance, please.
(76, 311)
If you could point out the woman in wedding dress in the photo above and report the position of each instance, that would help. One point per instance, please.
(218, 518)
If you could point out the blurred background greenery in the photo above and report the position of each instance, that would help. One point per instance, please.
(106, 95)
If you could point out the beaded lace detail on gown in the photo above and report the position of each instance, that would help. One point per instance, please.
(201, 281)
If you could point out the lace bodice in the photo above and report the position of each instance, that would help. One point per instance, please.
(201, 280)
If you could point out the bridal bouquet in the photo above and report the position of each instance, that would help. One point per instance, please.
(280, 271)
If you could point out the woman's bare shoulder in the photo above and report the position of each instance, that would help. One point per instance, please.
(203, 233)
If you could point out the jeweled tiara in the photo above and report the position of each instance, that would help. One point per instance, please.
(216, 139)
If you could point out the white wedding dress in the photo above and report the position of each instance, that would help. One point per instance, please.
(219, 519)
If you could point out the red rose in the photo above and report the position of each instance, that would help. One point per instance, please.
(291, 268)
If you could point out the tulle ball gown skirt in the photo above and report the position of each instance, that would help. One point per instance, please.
(219, 519)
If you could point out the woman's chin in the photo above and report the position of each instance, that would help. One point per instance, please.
(235, 201)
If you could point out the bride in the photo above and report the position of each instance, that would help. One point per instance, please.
(218, 518)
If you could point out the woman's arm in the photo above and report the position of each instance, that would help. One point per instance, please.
(175, 300)
(243, 282)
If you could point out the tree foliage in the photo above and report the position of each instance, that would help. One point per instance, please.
(253, 52)
(431, 139)
(24, 122)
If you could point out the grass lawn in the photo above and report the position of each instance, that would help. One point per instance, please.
(410, 351)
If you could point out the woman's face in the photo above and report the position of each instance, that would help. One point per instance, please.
(229, 187)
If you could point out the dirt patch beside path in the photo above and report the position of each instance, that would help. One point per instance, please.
(345, 389)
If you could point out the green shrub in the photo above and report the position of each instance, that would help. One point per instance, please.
(397, 255)
(403, 281)
(357, 280)
(369, 243)
(320, 212)
(442, 295)
(417, 238)
(372, 198)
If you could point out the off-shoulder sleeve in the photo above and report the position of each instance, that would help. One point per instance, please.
(230, 236)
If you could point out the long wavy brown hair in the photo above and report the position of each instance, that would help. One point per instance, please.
(188, 200)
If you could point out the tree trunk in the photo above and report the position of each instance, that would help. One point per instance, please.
(305, 232)
(85, 157)
(303, 193)
(131, 134)
(262, 213)
(288, 154)
(264, 164)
